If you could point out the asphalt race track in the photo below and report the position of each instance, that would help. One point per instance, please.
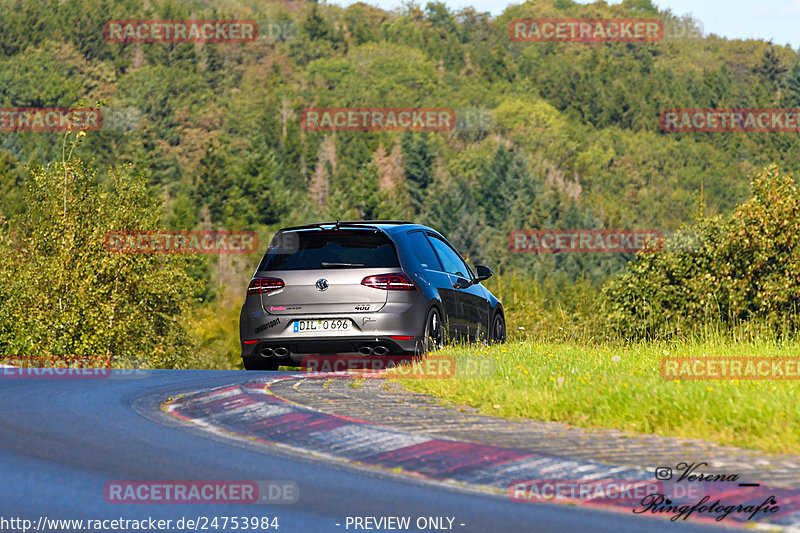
(62, 440)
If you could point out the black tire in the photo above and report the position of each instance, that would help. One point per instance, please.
(261, 363)
(433, 337)
(497, 334)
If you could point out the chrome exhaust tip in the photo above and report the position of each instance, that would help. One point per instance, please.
(281, 351)
(380, 350)
(267, 352)
(365, 350)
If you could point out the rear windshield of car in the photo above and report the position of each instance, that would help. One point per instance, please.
(312, 250)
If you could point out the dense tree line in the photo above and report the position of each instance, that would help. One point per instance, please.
(568, 138)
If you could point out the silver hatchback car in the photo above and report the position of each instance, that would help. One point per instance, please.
(369, 288)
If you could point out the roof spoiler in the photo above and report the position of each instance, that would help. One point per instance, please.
(349, 223)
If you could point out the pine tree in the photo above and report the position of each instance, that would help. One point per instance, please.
(389, 167)
(213, 184)
(320, 186)
(316, 27)
(791, 95)
(771, 68)
(492, 180)
(418, 164)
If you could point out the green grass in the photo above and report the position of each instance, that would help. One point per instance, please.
(621, 387)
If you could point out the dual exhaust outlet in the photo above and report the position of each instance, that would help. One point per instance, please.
(280, 351)
(377, 350)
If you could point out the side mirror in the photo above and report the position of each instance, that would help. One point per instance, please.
(484, 272)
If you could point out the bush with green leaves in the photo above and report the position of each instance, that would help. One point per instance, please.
(742, 268)
(64, 297)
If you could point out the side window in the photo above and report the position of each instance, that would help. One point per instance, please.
(423, 251)
(451, 262)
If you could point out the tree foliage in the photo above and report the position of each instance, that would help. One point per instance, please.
(728, 269)
(64, 295)
(568, 135)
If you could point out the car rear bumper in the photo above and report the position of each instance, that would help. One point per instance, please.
(357, 345)
(397, 328)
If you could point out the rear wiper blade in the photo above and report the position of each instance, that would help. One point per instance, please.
(326, 265)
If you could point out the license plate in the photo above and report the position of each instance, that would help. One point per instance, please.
(316, 326)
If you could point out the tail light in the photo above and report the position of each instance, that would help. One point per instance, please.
(390, 282)
(264, 285)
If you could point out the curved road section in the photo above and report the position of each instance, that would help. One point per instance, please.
(178, 450)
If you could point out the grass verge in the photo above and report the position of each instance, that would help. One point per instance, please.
(621, 387)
